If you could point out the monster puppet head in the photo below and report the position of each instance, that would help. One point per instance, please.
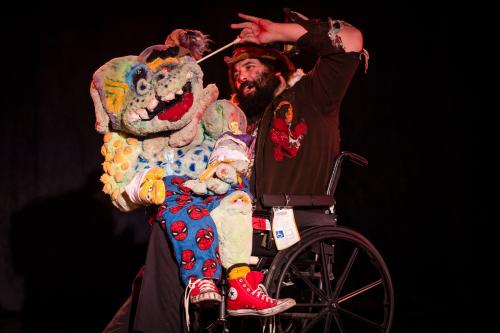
(160, 90)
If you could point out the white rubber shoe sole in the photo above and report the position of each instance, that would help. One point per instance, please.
(283, 305)
(206, 298)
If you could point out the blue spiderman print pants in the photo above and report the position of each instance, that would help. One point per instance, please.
(185, 218)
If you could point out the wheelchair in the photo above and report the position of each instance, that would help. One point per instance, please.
(337, 277)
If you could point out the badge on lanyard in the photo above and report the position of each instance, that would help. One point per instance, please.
(284, 228)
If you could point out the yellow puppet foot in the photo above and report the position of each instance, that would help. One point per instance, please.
(158, 192)
(152, 189)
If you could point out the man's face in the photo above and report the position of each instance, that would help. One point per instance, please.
(254, 84)
(246, 73)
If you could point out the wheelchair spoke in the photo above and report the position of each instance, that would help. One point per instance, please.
(359, 291)
(315, 320)
(359, 318)
(345, 273)
(311, 285)
(328, 322)
(326, 264)
(338, 322)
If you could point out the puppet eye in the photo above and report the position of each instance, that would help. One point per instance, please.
(142, 86)
(163, 73)
(139, 73)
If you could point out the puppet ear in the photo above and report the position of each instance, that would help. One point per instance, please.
(194, 41)
(102, 118)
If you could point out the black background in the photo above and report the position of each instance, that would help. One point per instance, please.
(68, 257)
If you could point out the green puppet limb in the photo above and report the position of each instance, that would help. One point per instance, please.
(226, 122)
(233, 219)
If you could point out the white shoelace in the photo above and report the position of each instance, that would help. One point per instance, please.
(204, 285)
(269, 322)
(263, 288)
(261, 293)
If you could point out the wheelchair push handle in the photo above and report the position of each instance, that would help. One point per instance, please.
(334, 178)
(356, 159)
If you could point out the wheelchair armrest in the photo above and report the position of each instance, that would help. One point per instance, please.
(297, 200)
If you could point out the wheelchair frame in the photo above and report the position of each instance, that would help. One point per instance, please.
(338, 278)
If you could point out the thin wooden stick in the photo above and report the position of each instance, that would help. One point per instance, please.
(236, 41)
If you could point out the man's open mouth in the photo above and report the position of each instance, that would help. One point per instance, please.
(174, 109)
(247, 88)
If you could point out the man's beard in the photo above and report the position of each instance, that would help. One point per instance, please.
(255, 103)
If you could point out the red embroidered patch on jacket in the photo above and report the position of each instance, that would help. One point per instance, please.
(286, 132)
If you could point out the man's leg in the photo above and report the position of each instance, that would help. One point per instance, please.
(121, 320)
(159, 303)
(155, 302)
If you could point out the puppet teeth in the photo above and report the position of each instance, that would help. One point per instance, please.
(133, 117)
(142, 113)
(189, 75)
(179, 92)
(152, 104)
(168, 97)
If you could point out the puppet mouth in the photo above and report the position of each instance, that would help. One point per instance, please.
(174, 109)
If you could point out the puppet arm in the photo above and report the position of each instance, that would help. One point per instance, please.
(121, 154)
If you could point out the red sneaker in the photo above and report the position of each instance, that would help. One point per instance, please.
(203, 291)
(247, 297)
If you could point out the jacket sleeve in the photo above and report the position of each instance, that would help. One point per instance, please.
(328, 81)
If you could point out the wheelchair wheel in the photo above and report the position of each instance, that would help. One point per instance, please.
(339, 281)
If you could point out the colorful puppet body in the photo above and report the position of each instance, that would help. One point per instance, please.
(159, 122)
